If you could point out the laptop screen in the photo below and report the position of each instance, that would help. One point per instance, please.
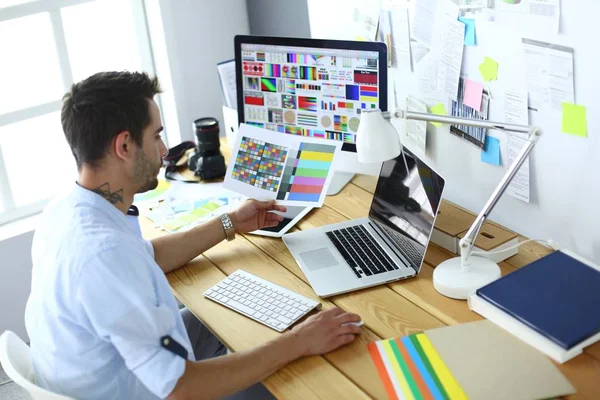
(406, 202)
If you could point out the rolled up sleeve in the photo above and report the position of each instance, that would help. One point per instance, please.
(118, 297)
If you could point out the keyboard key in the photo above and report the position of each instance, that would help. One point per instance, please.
(239, 306)
(284, 319)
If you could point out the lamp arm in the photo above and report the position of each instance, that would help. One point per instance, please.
(467, 242)
(445, 119)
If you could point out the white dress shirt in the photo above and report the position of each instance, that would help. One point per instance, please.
(99, 305)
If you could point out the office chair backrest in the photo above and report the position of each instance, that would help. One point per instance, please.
(16, 362)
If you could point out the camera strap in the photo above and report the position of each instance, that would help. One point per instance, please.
(176, 158)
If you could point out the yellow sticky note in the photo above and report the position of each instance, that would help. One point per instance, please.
(489, 69)
(574, 119)
(438, 109)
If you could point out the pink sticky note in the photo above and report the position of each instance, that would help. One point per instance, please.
(473, 93)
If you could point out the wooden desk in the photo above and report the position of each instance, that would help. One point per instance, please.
(392, 310)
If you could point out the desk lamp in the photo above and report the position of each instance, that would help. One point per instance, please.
(378, 140)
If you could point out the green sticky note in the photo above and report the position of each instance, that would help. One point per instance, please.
(211, 206)
(200, 212)
(574, 120)
(489, 69)
(438, 109)
(188, 218)
(173, 225)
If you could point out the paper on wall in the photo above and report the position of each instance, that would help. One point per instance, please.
(424, 21)
(451, 57)
(550, 74)
(401, 57)
(418, 51)
(529, 15)
(416, 130)
(227, 78)
(366, 19)
(267, 165)
(515, 112)
(384, 33)
(427, 76)
(447, 49)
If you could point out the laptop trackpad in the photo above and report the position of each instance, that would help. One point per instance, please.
(318, 259)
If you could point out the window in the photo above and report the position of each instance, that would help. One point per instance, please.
(46, 46)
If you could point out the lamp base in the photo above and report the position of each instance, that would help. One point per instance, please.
(451, 280)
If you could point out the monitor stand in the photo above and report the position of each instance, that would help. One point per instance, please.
(338, 181)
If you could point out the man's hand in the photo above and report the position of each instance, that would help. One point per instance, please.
(323, 332)
(254, 214)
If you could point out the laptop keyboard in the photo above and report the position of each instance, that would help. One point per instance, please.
(362, 253)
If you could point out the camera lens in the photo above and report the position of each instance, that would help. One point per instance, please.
(207, 136)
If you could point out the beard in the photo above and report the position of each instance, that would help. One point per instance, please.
(145, 172)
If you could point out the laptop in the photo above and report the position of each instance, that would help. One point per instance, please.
(386, 246)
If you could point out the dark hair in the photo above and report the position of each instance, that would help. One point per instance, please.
(98, 108)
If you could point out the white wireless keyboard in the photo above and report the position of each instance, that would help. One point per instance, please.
(261, 300)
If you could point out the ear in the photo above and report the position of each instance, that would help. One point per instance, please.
(123, 145)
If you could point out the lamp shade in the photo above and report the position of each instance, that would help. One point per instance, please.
(376, 139)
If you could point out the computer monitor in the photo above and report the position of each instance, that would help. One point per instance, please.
(312, 87)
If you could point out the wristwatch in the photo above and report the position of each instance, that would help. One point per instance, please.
(227, 227)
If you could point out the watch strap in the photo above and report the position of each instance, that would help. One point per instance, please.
(227, 227)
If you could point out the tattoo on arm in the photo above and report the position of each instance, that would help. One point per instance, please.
(112, 197)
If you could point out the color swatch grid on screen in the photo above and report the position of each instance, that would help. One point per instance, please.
(309, 81)
(305, 174)
(411, 368)
(259, 164)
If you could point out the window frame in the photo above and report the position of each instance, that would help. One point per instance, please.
(11, 212)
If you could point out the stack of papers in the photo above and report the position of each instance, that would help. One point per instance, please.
(176, 206)
(477, 360)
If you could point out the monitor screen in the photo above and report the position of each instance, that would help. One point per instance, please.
(309, 87)
(406, 201)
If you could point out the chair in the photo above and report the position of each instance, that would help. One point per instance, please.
(16, 361)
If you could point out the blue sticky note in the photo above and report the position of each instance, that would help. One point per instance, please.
(491, 151)
(469, 31)
(181, 207)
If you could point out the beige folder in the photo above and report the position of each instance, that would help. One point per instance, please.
(490, 363)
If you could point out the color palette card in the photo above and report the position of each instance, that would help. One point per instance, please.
(196, 212)
(295, 170)
(477, 360)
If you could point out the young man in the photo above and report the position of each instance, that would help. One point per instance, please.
(100, 302)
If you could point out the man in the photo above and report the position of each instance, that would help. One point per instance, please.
(100, 301)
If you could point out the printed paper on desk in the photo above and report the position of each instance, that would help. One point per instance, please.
(294, 170)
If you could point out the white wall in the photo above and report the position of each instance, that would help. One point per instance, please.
(198, 35)
(279, 18)
(15, 282)
(565, 170)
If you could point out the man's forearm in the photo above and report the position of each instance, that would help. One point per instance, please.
(223, 376)
(177, 249)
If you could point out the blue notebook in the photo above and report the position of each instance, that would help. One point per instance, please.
(557, 296)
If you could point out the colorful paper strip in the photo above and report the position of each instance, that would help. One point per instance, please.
(411, 368)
